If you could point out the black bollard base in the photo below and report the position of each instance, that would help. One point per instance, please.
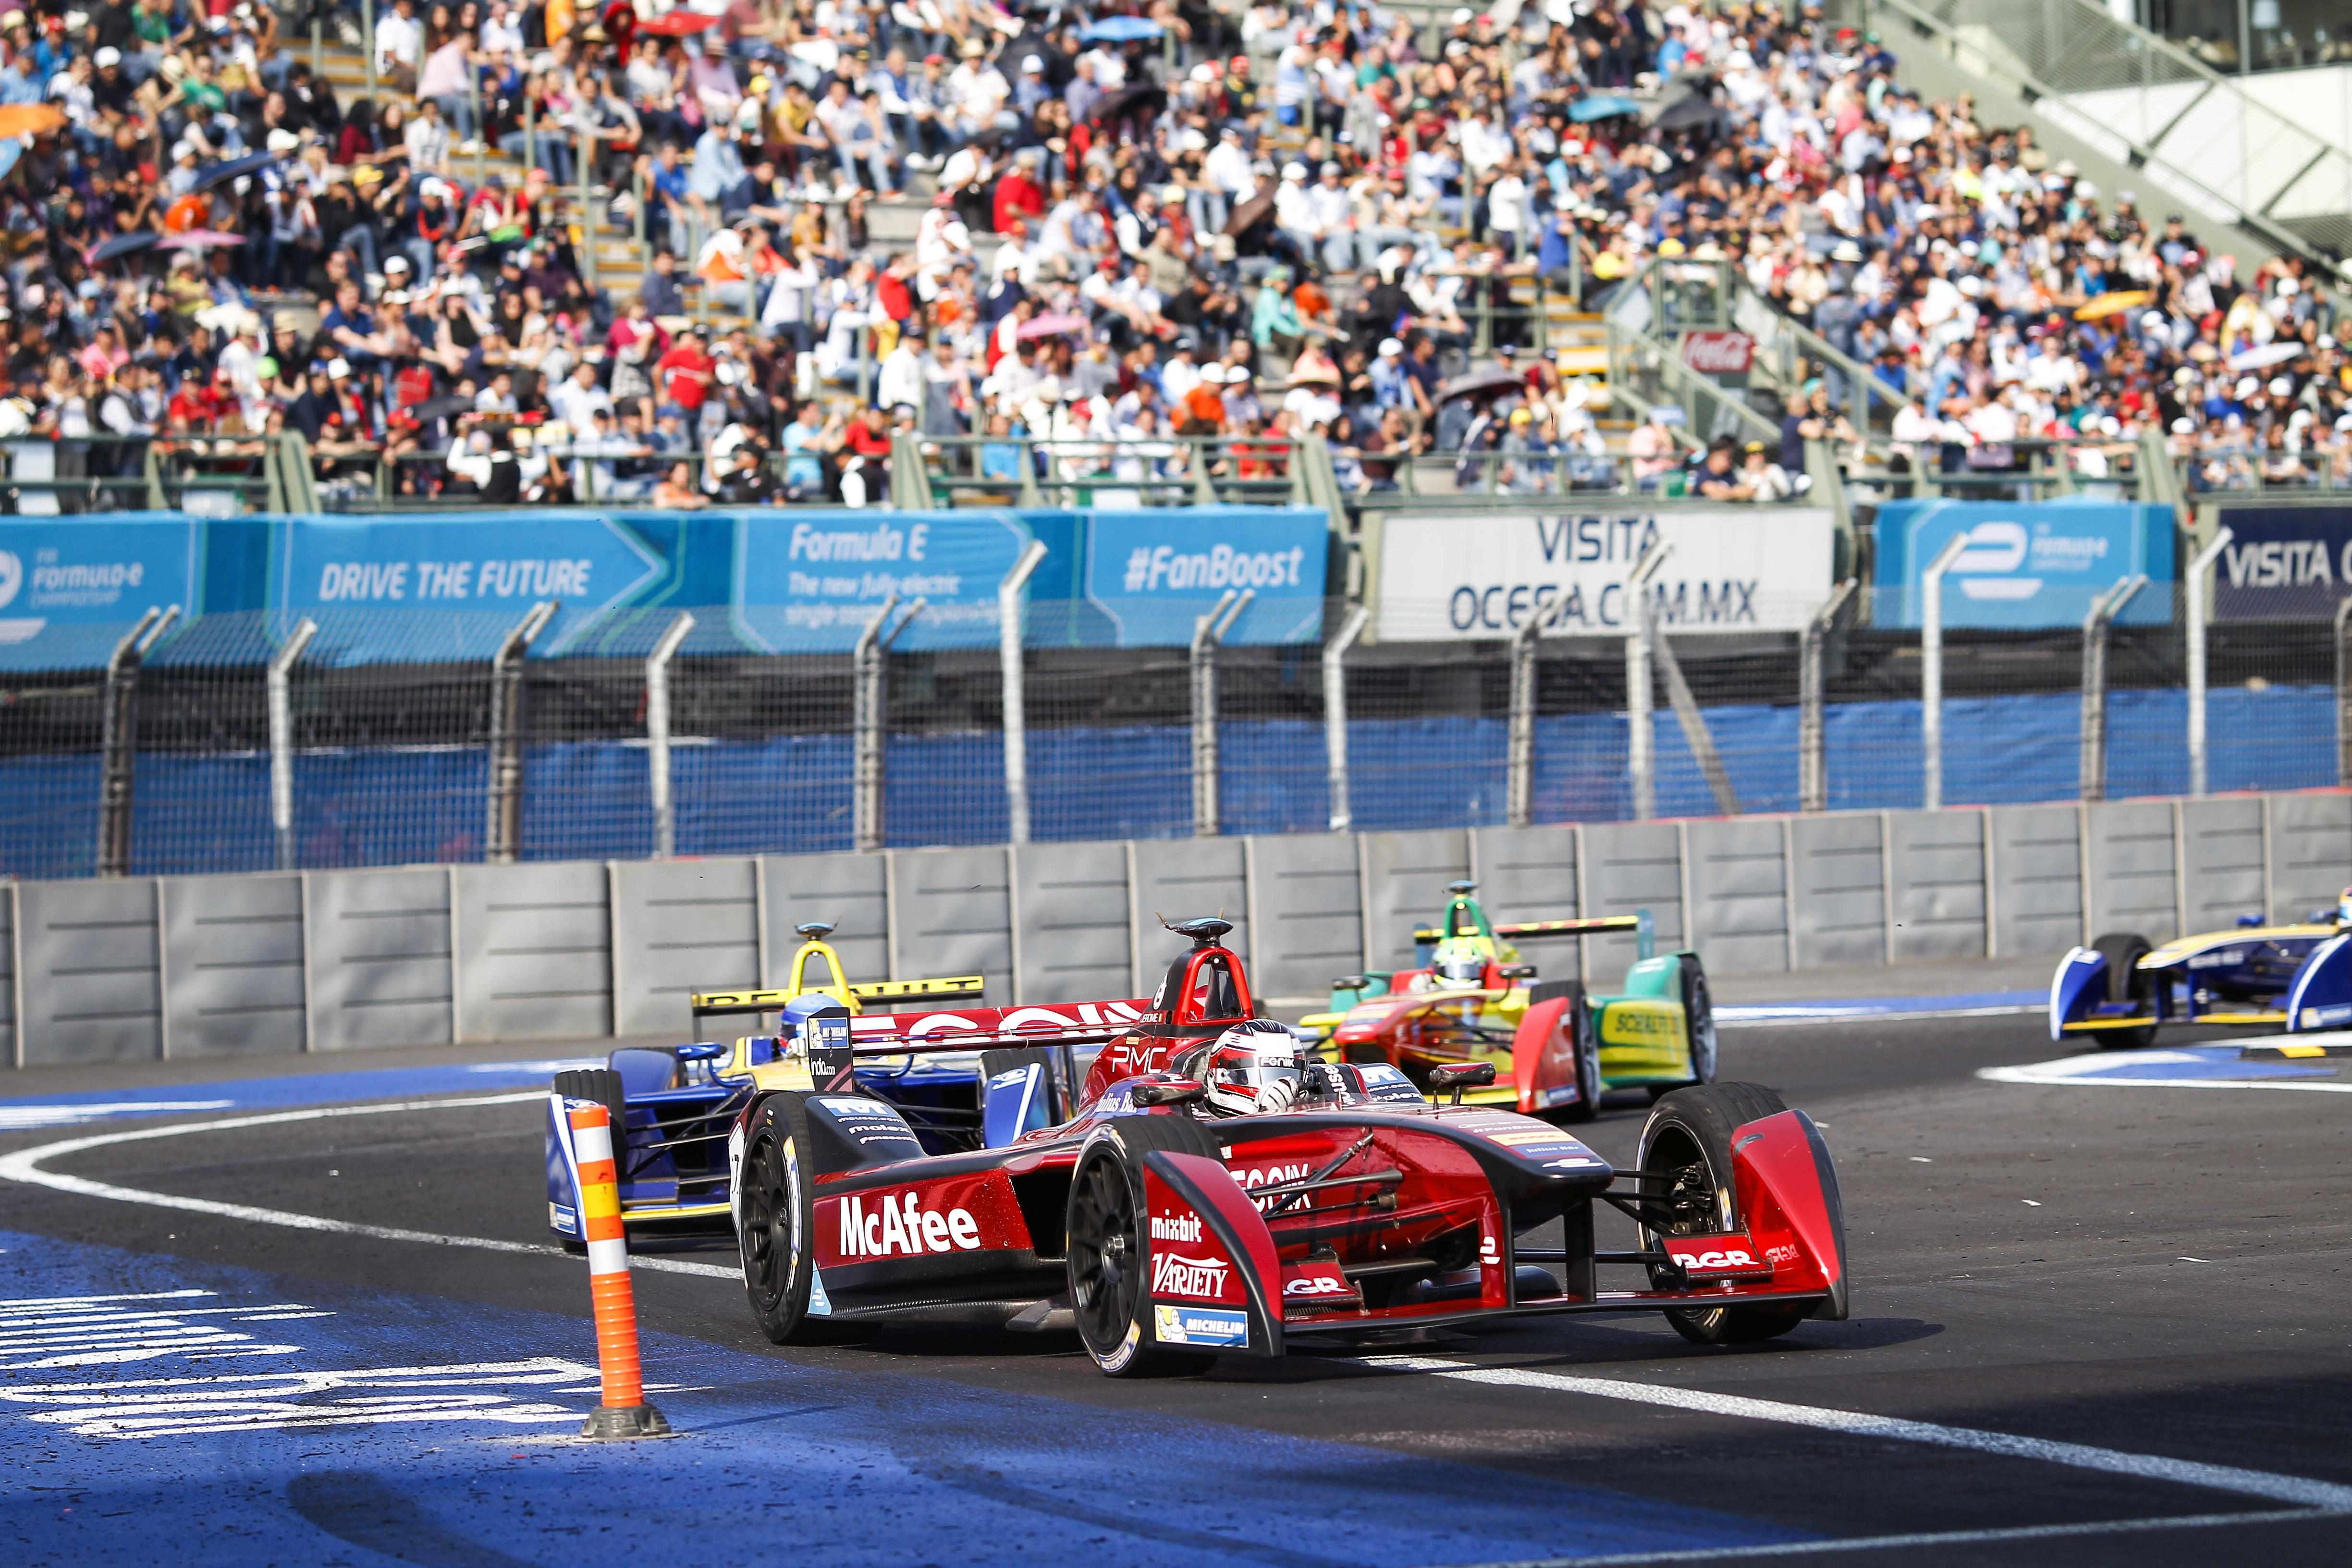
(615, 1423)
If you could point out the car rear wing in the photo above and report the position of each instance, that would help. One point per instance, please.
(1637, 923)
(723, 1004)
(947, 1028)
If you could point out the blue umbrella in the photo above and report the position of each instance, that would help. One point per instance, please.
(1121, 29)
(1606, 107)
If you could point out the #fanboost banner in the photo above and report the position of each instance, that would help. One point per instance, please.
(1454, 577)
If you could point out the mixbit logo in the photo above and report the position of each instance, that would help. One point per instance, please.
(899, 1227)
(1173, 1274)
(1176, 1227)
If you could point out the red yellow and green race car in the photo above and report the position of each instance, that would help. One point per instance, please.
(1556, 1047)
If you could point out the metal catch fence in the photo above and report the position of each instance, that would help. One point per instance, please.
(448, 760)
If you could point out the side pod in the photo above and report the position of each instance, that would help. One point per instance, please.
(1788, 1192)
(2080, 984)
(2321, 997)
(1216, 1280)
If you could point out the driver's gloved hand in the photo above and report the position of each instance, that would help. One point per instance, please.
(1279, 1095)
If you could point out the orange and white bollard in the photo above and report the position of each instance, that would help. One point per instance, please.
(624, 1412)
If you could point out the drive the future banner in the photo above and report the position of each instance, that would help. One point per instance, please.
(1449, 577)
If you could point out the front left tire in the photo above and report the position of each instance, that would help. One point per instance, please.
(1109, 1254)
(1688, 1135)
(777, 1220)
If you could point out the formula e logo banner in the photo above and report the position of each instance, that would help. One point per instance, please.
(487, 569)
(1456, 578)
(1154, 573)
(2284, 563)
(809, 582)
(68, 586)
(2022, 565)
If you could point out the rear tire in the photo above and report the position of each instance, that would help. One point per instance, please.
(1698, 1019)
(777, 1220)
(1585, 1037)
(601, 1085)
(1689, 1131)
(2125, 982)
(1108, 1255)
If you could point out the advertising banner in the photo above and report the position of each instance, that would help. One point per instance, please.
(2025, 565)
(69, 586)
(481, 571)
(2284, 563)
(808, 582)
(1153, 573)
(1452, 577)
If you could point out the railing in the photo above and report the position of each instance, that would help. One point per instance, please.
(1156, 471)
(2147, 102)
(207, 475)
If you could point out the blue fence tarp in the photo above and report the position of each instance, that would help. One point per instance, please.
(588, 800)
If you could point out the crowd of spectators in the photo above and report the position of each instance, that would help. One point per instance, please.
(1254, 223)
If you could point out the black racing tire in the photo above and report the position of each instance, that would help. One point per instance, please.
(1108, 1254)
(1584, 1034)
(1689, 1131)
(600, 1084)
(1698, 1021)
(2125, 982)
(776, 1219)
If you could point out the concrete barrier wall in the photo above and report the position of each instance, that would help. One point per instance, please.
(534, 951)
(1069, 921)
(1837, 890)
(276, 963)
(1738, 872)
(231, 956)
(376, 946)
(2033, 879)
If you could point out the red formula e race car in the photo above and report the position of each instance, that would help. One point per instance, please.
(1214, 1189)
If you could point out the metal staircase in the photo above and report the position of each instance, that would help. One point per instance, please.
(2213, 141)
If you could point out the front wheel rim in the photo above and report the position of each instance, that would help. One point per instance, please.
(1105, 1283)
(766, 1226)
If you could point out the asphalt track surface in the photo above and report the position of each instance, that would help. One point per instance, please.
(2068, 1297)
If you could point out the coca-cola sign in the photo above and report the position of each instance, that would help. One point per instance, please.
(1719, 353)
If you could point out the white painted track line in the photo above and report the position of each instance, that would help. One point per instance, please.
(2295, 1489)
(1931, 1538)
(25, 1166)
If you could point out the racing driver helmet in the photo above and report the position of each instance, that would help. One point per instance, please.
(1458, 967)
(1254, 1067)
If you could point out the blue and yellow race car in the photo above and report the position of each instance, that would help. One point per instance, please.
(2118, 992)
(672, 1107)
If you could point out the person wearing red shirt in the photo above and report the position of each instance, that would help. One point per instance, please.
(866, 468)
(683, 376)
(1018, 193)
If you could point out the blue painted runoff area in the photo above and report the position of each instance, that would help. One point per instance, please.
(792, 793)
(160, 1409)
(282, 1092)
(2216, 1062)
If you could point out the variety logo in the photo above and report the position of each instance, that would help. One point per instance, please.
(900, 1226)
(1176, 1227)
(1173, 1274)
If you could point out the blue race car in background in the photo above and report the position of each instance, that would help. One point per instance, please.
(2119, 989)
(673, 1106)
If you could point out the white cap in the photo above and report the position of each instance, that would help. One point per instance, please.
(1213, 373)
(1032, 65)
(109, 55)
(1205, 74)
(2247, 386)
(1390, 348)
(283, 140)
(391, 262)
(339, 368)
(432, 189)
(1294, 171)
(2282, 387)
(182, 149)
(1461, 16)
